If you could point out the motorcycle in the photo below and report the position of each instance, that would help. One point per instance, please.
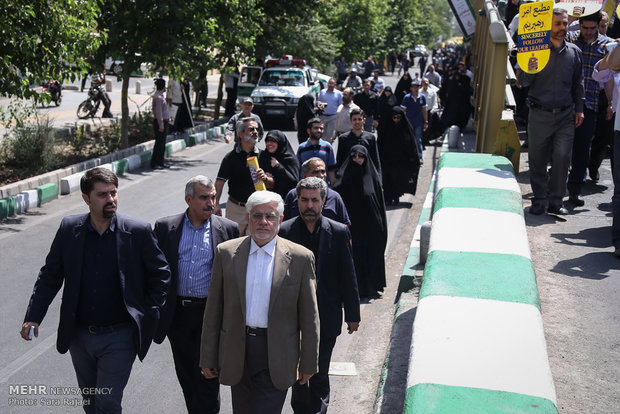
(53, 92)
(89, 107)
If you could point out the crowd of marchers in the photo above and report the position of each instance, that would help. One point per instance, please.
(569, 108)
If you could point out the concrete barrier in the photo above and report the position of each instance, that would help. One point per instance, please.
(134, 162)
(31, 199)
(121, 166)
(70, 183)
(175, 146)
(478, 341)
(47, 193)
(145, 158)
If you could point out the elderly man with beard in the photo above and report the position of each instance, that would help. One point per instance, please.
(188, 240)
(330, 242)
(554, 114)
(115, 283)
(234, 169)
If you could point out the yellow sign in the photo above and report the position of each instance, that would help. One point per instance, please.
(578, 8)
(534, 35)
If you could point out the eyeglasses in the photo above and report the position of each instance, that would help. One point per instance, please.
(358, 155)
(270, 217)
(397, 116)
(252, 129)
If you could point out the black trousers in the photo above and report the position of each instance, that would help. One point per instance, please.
(159, 149)
(256, 394)
(201, 395)
(313, 397)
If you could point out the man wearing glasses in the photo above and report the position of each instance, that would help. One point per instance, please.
(234, 170)
(261, 323)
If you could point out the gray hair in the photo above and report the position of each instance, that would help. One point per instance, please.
(312, 183)
(200, 179)
(240, 125)
(263, 197)
(305, 167)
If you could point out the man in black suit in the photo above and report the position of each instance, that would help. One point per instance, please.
(115, 281)
(188, 241)
(336, 285)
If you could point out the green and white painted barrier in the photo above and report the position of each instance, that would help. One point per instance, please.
(47, 193)
(478, 342)
(175, 146)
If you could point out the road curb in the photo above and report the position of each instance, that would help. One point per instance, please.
(478, 335)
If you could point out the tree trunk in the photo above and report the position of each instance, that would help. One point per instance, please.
(218, 100)
(125, 110)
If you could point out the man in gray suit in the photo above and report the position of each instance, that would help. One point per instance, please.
(188, 241)
(261, 323)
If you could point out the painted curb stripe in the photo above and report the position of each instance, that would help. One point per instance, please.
(503, 277)
(478, 161)
(434, 398)
(477, 178)
(481, 198)
(475, 230)
(480, 343)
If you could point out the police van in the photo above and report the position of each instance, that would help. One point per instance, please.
(281, 84)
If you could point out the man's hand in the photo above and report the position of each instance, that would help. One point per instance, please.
(610, 113)
(375, 124)
(217, 210)
(425, 126)
(210, 372)
(352, 327)
(26, 330)
(532, 64)
(578, 119)
(303, 378)
(161, 130)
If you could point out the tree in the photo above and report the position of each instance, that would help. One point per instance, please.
(44, 39)
(178, 36)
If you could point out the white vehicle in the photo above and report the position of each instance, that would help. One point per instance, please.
(281, 84)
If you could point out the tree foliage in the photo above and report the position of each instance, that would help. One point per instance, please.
(44, 39)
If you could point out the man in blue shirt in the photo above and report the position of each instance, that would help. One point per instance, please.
(188, 241)
(316, 147)
(329, 101)
(414, 105)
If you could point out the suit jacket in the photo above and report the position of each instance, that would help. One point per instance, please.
(143, 272)
(168, 231)
(292, 310)
(335, 273)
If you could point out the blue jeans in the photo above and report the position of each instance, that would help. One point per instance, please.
(417, 133)
(103, 363)
(615, 199)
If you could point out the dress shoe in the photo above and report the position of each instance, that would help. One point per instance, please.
(594, 175)
(575, 200)
(158, 167)
(537, 209)
(617, 251)
(559, 210)
(164, 165)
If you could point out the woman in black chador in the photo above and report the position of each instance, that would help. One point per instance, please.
(402, 87)
(386, 101)
(279, 163)
(305, 112)
(360, 188)
(399, 157)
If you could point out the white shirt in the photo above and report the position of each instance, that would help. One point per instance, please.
(258, 279)
(343, 120)
(431, 99)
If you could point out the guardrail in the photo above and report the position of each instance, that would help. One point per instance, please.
(478, 341)
(490, 49)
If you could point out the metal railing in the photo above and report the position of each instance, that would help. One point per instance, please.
(491, 46)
